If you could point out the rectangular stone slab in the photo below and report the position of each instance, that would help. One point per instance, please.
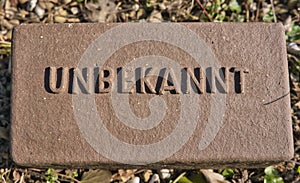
(182, 95)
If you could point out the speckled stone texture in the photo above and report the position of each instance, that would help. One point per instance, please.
(256, 124)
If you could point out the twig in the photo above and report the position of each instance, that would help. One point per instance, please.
(292, 161)
(59, 174)
(191, 7)
(273, 10)
(22, 178)
(68, 177)
(139, 171)
(5, 43)
(3, 179)
(257, 10)
(1, 38)
(181, 175)
(204, 10)
(247, 11)
(35, 169)
(4, 174)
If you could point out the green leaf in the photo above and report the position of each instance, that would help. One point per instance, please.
(270, 171)
(271, 179)
(272, 176)
(228, 173)
(75, 174)
(52, 176)
(268, 17)
(234, 6)
(8, 88)
(184, 179)
(298, 169)
(92, 176)
(294, 34)
(50, 171)
(149, 4)
(197, 178)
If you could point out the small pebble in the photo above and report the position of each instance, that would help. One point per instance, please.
(74, 3)
(8, 35)
(67, 1)
(62, 12)
(31, 5)
(23, 13)
(46, 5)
(23, 1)
(141, 13)
(14, 22)
(73, 20)
(60, 19)
(6, 24)
(162, 6)
(134, 180)
(135, 7)
(74, 10)
(39, 11)
(132, 14)
(294, 46)
(154, 179)
(165, 173)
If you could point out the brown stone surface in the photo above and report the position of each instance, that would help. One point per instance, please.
(256, 124)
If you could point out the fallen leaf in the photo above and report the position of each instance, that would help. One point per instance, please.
(4, 133)
(212, 177)
(16, 176)
(147, 175)
(126, 174)
(199, 178)
(184, 179)
(155, 16)
(92, 176)
(194, 178)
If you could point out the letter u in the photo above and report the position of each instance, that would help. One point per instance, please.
(54, 79)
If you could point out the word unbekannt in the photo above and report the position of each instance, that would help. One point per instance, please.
(145, 80)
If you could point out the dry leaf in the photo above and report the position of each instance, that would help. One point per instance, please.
(103, 11)
(16, 176)
(147, 175)
(4, 133)
(155, 16)
(154, 179)
(92, 176)
(212, 177)
(125, 175)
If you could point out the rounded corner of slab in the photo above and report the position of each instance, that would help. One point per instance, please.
(16, 158)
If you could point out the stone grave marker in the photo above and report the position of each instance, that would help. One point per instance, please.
(180, 95)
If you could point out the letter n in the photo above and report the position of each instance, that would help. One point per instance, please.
(81, 83)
